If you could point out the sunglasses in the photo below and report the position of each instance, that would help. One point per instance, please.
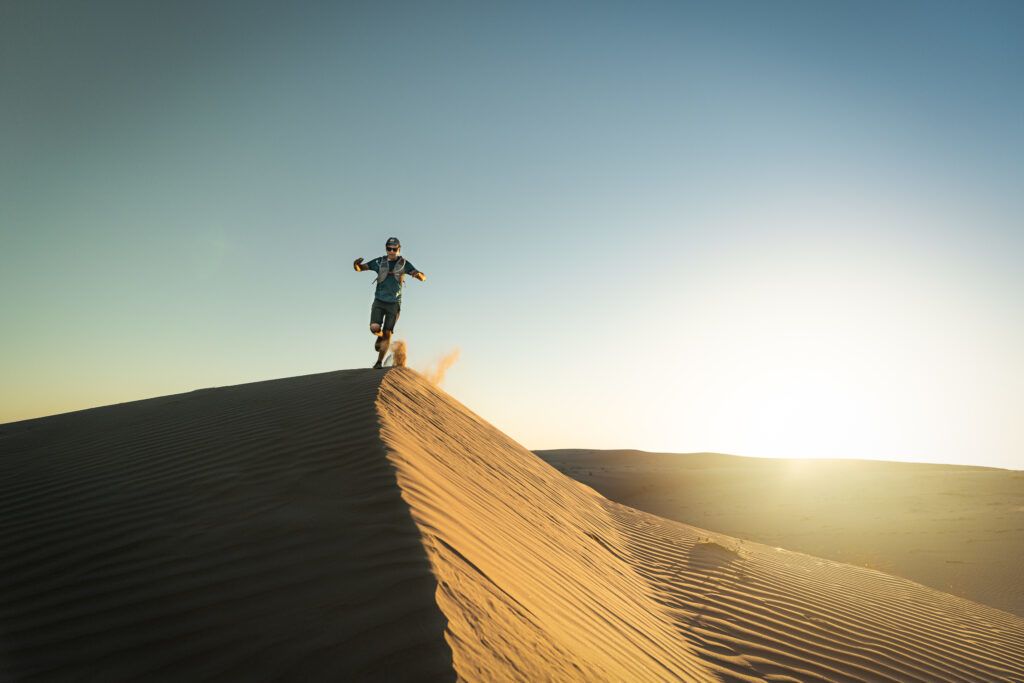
(392, 248)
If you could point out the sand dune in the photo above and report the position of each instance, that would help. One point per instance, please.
(754, 612)
(522, 558)
(248, 533)
(529, 564)
(363, 525)
(954, 528)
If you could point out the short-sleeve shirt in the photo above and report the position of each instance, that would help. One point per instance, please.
(391, 289)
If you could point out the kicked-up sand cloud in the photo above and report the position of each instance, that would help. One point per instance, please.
(435, 374)
(365, 525)
(399, 349)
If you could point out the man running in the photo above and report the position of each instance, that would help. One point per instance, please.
(387, 303)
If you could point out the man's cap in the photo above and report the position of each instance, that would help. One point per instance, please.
(392, 242)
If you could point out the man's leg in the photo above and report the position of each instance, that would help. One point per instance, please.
(383, 329)
(382, 346)
(376, 318)
(390, 318)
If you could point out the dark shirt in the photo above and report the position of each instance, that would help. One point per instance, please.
(391, 289)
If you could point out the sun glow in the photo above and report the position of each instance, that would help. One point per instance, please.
(804, 359)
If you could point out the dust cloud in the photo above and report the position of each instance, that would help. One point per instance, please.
(399, 350)
(435, 373)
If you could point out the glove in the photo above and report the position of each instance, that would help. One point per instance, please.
(357, 263)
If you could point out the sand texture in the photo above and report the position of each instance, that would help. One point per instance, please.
(247, 533)
(535, 576)
(954, 528)
(364, 525)
(531, 568)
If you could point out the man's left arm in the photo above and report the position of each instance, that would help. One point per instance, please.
(418, 274)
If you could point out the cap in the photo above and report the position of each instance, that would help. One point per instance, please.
(392, 242)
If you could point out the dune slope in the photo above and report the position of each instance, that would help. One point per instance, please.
(755, 612)
(247, 533)
(538, 573)
(955, 528)
(530, 566)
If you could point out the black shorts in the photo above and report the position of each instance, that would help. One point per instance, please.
(385, 312)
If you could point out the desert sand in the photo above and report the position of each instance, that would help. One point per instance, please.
(955, 528)
(364, 525)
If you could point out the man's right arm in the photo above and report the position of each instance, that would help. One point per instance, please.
(359, 265)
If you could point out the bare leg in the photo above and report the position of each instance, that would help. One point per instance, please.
(383, 339)
(382, 347)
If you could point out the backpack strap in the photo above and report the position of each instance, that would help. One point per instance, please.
(383, 270)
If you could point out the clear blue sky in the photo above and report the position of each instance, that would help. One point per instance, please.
(781, 229)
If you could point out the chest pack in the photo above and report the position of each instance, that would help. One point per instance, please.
(383, 270)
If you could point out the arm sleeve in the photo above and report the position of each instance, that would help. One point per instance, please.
(409, 267)
(371, 264)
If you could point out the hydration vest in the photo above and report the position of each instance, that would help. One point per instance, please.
(384, 269)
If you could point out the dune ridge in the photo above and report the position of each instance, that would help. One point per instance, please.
(365, 525)
(527, 561)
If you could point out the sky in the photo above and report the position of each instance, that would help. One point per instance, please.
(786, 229)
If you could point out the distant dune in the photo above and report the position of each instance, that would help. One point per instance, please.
(364, 525)
(958, 529)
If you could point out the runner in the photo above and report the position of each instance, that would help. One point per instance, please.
(391, 270)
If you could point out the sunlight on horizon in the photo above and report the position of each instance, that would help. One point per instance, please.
(815, 346)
